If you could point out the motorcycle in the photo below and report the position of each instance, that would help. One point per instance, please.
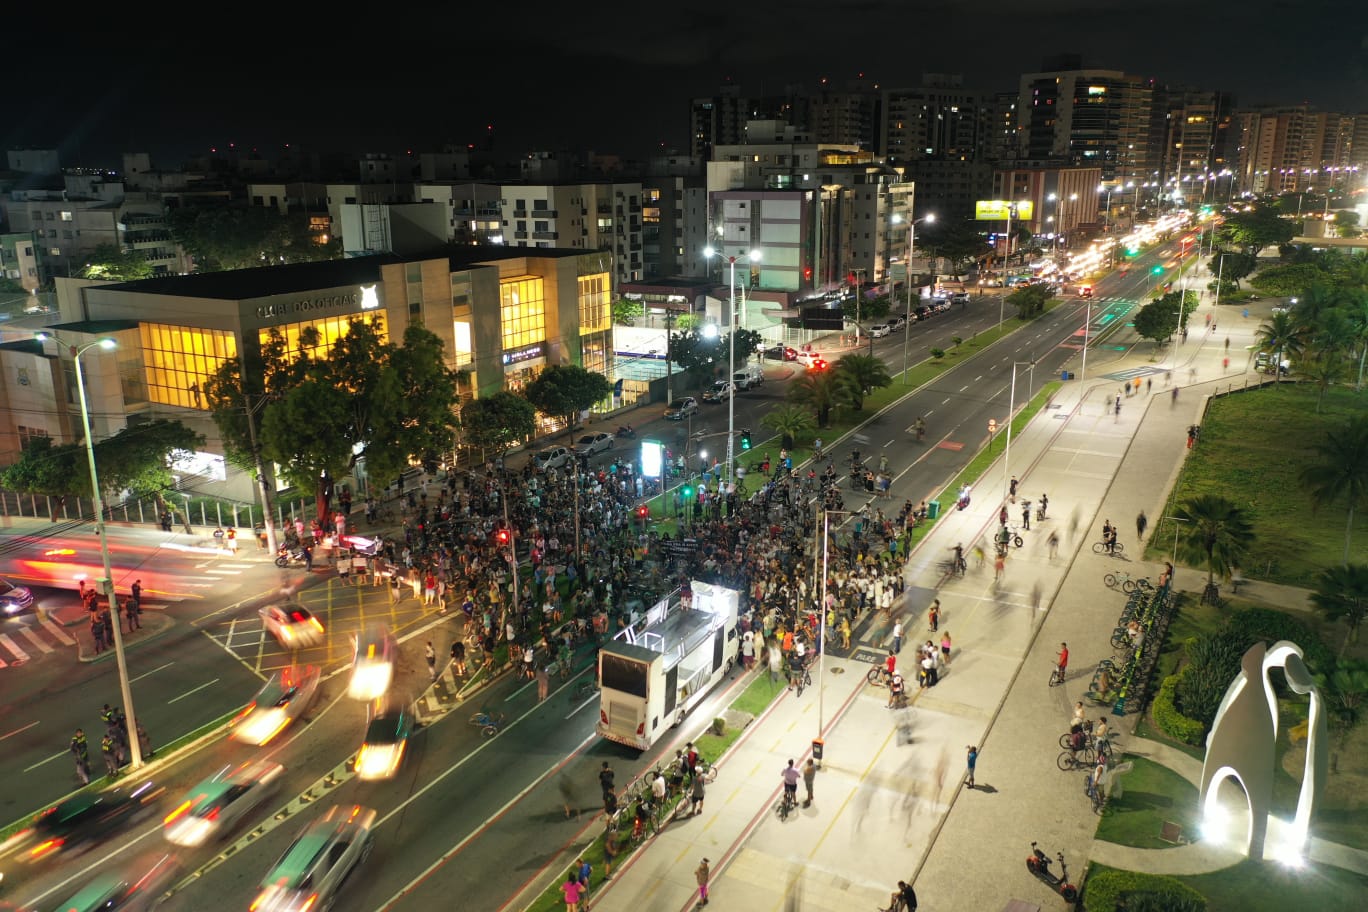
(627, 432)
(1038, 863)
(287, 556)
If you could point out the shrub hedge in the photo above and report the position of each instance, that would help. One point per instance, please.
(1172, 722)
(1113, 891)
(1271, 625)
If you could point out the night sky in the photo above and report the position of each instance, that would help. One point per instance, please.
(612, 76)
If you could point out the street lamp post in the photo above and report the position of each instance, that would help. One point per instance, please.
(754, 257)
(1011, 408)
(911, 246)
(125, 687)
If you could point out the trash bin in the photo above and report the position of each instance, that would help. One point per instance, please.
(817, 745)
(933, 509)
(1065, 375)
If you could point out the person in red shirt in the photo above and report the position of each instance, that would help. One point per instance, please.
(1063, 661)
(891, 664)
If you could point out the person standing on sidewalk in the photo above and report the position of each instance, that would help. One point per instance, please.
(110, 751)
(431, 655)
(144, 742)
(81, 752)
(1141, 524)
(702, 873)
(809, 773)
(933, 615)
(697, 793)
(897, 636)
(543, 683)
(97, 633)
(972, 761)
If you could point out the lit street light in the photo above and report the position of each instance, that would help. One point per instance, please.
(107, 584)
(1011, 408)
(911, 246)
(754, 257)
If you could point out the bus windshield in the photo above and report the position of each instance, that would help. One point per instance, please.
(623, 675)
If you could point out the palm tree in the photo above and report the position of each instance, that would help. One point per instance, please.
(1282, 334)
(789, 422)
(1356, 314)
(1342, 471)
(1342, 595)
(1213, 529)
(820, 392)
(859, 375)
(1326, 368)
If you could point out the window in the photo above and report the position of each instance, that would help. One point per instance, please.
(522, 311)
(177, 360)
(330, 329)
(27, 435)
(66, 216)
(595, 311)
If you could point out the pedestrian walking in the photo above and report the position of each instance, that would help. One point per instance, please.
(110, 751)
(809, 774)
(1173, 397)
(144, 743)
(696, 795)
(945, 649)
(80, 751)
(97, 633)
(702, 873)
(1053, 542)
(572, 891)
(567, 793)
(1026, 515)
(131, 614)
(610, 850)
(605, 777)
(933, 615)
(1149, 383)
(431, 655)
(543, 682)
(458, 658)
(999, 564)
(1118, 408)
(136, 596)
(897, 636)
(972, 761)
(586, 874)
(1141, 524)
(845, 633)
(231, 536)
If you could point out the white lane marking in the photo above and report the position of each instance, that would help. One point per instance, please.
(35, 639)
(945, 400)
(17, 731)
(978, 378)
(29, 769)
(61, 635)
(152, 672)
(193, 691)
(929, 414)
(13, 647)
(963, 388)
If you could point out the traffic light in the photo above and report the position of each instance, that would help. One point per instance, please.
(688, 491)
(1157, 270)
(746, 439)
(1132, 251)
(503, 536)
(643, 511)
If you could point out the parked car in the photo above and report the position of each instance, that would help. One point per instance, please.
(13, 598)
(879, 330)
(553, 457)
(284, 697)
(720, 391)
(590, 444)
(781, 353)
(213, 808)
(293, 626)
(682, 408)
(960, 297)
(311, 873)
(896, 321)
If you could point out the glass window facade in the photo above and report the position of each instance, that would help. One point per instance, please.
(595, 308)
(522, 311)
(330, 329)
(177, 360)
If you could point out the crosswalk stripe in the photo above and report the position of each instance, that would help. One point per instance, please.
(62, 636)
(36, 640)
(13, 647)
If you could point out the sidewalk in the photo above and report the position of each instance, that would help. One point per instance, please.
(886, 809)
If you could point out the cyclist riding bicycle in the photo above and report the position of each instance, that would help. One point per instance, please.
(895, 690)
(921, 428)
(791, 775)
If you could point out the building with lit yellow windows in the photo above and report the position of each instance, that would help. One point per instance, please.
(502, 314)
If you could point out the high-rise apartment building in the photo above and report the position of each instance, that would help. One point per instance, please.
(1290, 148)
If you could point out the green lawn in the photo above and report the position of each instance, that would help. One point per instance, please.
(1269, 887)
(1152, 796)
(1252, 448)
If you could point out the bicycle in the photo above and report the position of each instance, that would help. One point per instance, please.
(1057, 675)
(1120, 580)
(1101, 548)
(487, 722)
(1083, 758)
(801, 679)
(787, 803)
(708, 771)
(879, 676)
(955, 567)
(1096, 795)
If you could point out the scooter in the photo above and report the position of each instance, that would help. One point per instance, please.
(287, 556)
(1038, 863)
(626, 431)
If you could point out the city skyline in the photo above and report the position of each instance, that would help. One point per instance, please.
(615, 82)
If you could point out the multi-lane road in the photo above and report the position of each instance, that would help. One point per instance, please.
(469, 820)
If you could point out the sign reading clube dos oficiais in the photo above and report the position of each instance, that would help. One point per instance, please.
(366, 298)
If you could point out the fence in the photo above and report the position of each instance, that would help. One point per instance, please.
(194, 511)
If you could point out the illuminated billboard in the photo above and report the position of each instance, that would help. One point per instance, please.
(652, 458)
(1001, 210)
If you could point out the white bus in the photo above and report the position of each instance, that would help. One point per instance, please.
(654, 671)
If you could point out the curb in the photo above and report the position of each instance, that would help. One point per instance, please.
(162, 630)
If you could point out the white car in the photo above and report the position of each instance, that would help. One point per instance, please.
(590, 444)
(294, 626)
(879, 330)
(284, 697)
(551, 458)
(386, 739)
(720, 391)
(372, 663)
(218, 804)
(314, 867)
(806, 358)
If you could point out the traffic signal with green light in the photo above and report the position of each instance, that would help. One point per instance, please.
(687, 492)
(1132, 251)
(746, 439)
(1157, 270)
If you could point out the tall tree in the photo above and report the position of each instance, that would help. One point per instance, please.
(625, 310)
(565, 390)
(1029, 300)
(1282, 335)
(495, 423)
(1215, 531)
(1324, 370)
(1256, 229)
(1341, 594)
(1232, 266)
(790, 422)
(958, 240)
(860, 375)
(820, 392)
(704, 356)
(221, 237)
(867, 310)
(1341, 471)
(110, 262)
(1158, 320)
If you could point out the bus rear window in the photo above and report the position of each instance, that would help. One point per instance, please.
(624, 675)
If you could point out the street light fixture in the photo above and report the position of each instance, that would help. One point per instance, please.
(754, 257)
(1011, 409)
(125, 688)
(911, 246)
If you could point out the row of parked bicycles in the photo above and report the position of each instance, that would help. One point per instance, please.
(1139, 629)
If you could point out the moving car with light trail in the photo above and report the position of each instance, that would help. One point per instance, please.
(284, 697)
(311, 873)
(294, 626)
(387, 734)
(218, 804)
(81, 821)
(372, 663)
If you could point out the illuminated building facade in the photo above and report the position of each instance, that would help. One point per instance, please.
(502, 314)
